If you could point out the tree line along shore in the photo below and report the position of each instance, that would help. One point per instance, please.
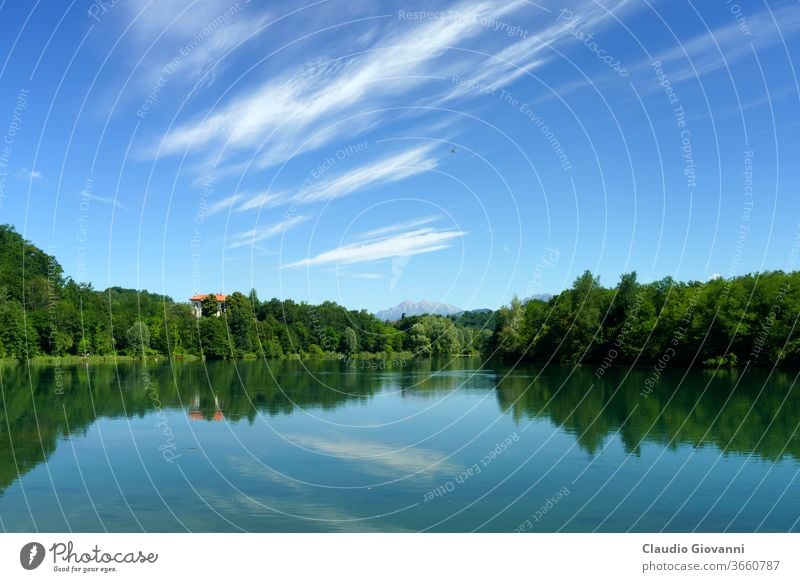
(46, 316)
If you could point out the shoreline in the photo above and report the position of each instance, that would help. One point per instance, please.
(395, 360)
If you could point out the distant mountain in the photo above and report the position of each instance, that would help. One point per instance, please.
(417, 308)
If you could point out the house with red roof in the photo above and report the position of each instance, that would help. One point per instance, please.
(197, 303)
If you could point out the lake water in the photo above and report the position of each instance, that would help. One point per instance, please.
(428, 446)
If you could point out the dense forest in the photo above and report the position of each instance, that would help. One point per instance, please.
(725, 322)
(45, 313)
(721, 322)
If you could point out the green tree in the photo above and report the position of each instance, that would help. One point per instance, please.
(349, 342)
(510, 330)
(240, 319)
(14, 338)
(254, 302)
(138, 336)
(214, 338)
(209, 307)
(315, 352)
(442, 333)
(272, 349)
(61, 342)
(418, 341)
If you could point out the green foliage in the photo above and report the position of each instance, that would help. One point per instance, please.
(720, 323)
(138, 336)
(315, 352)
(349, 343)
(479, 318)
(729, 360)
(14, 337)
(209, 306)
(214, 338)
(273, 349)
(241, 322)
(39, 268)
(435, 335)
(418, 341)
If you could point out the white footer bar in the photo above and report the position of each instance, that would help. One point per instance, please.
(380, 557)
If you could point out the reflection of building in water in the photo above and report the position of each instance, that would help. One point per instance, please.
(195, 413)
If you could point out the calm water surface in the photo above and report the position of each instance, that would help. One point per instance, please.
(431, 446)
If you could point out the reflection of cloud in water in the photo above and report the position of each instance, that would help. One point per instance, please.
(260, 471)
(379, 457)
(269, 512)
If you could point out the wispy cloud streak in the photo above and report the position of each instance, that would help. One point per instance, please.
(386, 170)
(726, 45)
(258, 234)
(414, 242)
(223, 204)
(279, 115)
(392, 228)
(263, 200)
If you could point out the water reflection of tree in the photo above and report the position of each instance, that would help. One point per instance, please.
(706, 410)
(727, 410)
(33, 417)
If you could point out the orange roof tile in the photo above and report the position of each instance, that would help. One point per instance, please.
(200, 297)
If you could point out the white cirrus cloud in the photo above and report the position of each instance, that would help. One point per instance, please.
(85, 194)
(392, 168)
(725, 46)
(400, 226)
(398, 63)
(260, 233)
(263, 200)
(197, 35)
(388, 169)
(414, 242)
(31, 175)
(281, 114)
(500, 68)
(223, 204)
(365, 276)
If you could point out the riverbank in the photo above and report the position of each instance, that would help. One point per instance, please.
(364, 360)
(111, 359)
(381, 359)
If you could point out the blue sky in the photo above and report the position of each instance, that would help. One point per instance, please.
(370, 153)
